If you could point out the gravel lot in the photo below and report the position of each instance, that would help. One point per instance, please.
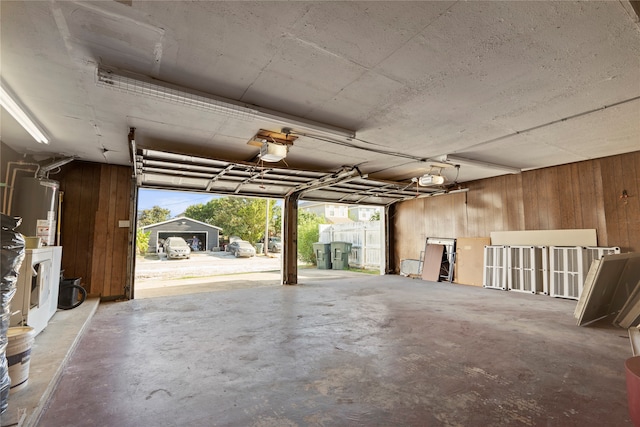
(202, 265)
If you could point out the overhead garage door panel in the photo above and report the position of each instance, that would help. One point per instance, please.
(165, 170)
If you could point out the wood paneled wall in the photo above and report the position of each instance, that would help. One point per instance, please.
(96, 198)
(579, 195)
(574, 196)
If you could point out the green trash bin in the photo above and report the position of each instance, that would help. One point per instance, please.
(323, 255)
(340, 255)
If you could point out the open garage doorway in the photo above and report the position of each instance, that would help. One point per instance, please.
(222, 242)
(187, 243)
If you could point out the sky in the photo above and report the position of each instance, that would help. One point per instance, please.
(176, 201)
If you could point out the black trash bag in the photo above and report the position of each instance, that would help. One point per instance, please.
(12, 253)
(7, 296)
(11, 256)
(4, 328)
(5, 385)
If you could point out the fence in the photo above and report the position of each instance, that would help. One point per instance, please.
(365, 239)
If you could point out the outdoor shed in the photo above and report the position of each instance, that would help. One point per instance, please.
(187, 228)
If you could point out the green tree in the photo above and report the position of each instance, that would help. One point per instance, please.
(308, 234)
(142, 241)
(152, 216)
(202, 212)
(375, 216)
(237, 216)
(275, 219)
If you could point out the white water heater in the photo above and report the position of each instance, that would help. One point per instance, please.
(35, 200)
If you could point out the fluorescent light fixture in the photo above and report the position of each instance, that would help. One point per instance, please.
(19, 113)
(270, 152)
(137, 84)
(478, 163)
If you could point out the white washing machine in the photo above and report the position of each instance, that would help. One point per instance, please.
(36, 298)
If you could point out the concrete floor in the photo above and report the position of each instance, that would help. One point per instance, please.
(362, 351)
(49, 353)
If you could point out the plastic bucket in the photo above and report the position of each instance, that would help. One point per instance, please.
(632, 367)
(20, 341)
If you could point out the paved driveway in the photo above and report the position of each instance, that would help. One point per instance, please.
(216, 271)
(202, 265)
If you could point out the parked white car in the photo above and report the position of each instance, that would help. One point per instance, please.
(177, 247)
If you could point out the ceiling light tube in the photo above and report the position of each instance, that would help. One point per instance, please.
(137, 84)
(19, 113)
(478, 163)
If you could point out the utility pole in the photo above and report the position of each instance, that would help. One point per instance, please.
(266, 230)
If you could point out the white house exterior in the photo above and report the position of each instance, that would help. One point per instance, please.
(334, 213)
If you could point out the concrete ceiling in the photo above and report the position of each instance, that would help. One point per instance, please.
(523, 84)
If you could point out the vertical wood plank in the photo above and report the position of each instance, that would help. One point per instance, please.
(112, 178)
(472, 213)
(476, 209)
(632, 185)
(119, 268)
(629, 207)
(530, 196)
(408, 224)
(507, 183)
(565, 192)
(521, 211)
(90, 184)
(608, 173)
(78, 181)
(460, 214)
(494, 199)
(555, 190)
(583, 200)
(99, 235)
(70, 183)
(601, 219)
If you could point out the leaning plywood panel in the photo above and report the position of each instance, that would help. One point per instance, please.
(604, 281)
(470, 260)
(631, 315)
(578, 237)
(628, 314)
(586, 291)
(629, 283)
(432, 262)
(629, 287)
